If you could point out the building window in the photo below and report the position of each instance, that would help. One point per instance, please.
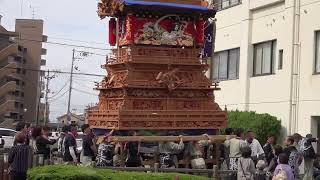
(317, 53)
(223, 4)
(225, 65)
(280, 59)
(263, 59)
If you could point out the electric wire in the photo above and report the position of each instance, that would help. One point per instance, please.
(54, 71)
(57, 98)
(64, 44)
(57, 93)
(85, 92)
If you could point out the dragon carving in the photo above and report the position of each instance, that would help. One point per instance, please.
(170, 79)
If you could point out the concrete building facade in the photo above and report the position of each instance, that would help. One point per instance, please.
(267, 59)
(31, 37)
(20, 60)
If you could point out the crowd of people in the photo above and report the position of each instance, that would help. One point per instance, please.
(239, 153)
(245, 155)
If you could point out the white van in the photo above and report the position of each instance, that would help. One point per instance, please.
(8, 136)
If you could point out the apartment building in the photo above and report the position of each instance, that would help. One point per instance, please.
(20, 62)
(267, 59)
(31, 37)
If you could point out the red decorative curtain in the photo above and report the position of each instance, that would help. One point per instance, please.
(112, 32)
(199, 32)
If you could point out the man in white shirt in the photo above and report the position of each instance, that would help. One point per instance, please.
(256, 148)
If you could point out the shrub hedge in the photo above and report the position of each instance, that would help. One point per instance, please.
(261, 124)
(67, 172)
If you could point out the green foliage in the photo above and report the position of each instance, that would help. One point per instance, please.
(261, 124)
(67, 172)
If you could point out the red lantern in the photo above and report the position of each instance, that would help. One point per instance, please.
(199, 32)
(112, 32)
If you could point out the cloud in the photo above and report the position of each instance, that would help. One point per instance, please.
(71, 19)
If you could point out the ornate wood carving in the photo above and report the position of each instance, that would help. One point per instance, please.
(154, 55)
(170, 79)
(147, 104)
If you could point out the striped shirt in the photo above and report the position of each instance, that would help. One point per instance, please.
(18, 158)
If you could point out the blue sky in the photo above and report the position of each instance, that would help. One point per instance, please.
(65, 19)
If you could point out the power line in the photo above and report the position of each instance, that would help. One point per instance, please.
(80, 84)
(57, 93)
(64, 44)
(57, 98)
(69, 39)
(91, 53)
(85, 92)
(54, 71)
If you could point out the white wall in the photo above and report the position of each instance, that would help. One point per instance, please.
(253, 22)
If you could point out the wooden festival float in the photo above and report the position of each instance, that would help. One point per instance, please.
(155, 74)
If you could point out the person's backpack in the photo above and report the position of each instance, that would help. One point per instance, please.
(282, 175)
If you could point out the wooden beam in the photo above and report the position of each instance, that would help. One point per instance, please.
(219, 138)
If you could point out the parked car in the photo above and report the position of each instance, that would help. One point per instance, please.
(8, 136)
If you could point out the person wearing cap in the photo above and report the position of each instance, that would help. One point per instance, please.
(106, 151)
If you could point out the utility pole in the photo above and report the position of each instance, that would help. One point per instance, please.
(39, 99)
(46, 99)
(46, 105)
(70, 87)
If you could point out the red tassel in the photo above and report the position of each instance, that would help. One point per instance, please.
(112, 32)
(199, 32)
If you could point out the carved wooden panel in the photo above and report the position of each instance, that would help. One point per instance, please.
(200, 124)
(154, 55)
(147, 93)
(146, 124)
(192, 94)
(113, 93)
(104, 123)
(144, 104)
